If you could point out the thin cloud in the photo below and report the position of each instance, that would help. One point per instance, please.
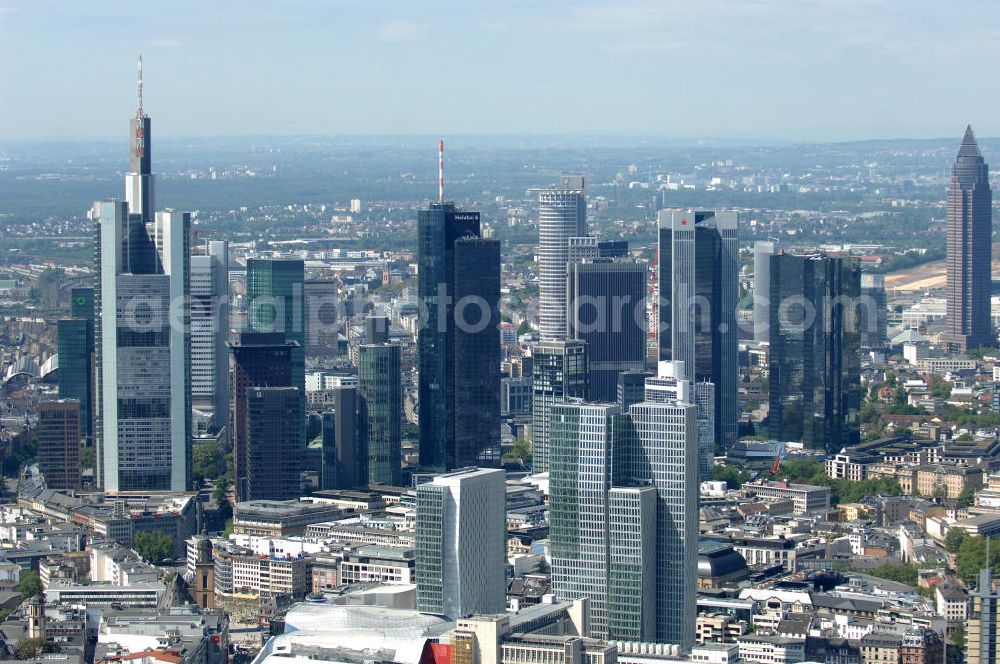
(400, 31)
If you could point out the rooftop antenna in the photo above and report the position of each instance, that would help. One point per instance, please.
(139, 88)
(440, 171)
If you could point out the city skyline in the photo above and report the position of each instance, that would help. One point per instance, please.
(798, 69)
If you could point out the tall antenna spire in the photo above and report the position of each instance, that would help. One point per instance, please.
(139, 113)
(440, 171)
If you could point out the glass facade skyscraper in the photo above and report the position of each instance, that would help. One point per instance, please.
(815, 355)
(559, 372)
(210, 331)
(75, 342)
(605, 307)
(273, 451)
(698, 284)
(461, 543)
(970, 232)
(457, 267)
(275, 303)
(562, 214)
(380, 411)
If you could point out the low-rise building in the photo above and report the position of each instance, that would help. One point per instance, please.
(805, 498)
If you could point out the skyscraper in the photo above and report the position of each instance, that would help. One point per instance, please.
(59, 443)
(562, 214)
(559, 372)
(477, 352)
(273, 446)
(345, 459)
(872, 312)
(139, 179)
(584, 521)
(815, 356)
(275, 304)
(143, 367)
(210, 331)
(605, 307)
(256, 360)
(623, 516)
(380, 411)
(984, 622)
(660, 443)
(75, 340)
(670, 385)
(699, 291)
(762, 252)
(455, 266)
(461, 543)
(969, 255)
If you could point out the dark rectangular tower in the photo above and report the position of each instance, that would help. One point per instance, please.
(970, 232)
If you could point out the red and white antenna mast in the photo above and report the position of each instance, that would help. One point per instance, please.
(139, 89)
(440, 171)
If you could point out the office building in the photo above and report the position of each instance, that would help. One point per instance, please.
(814, 359)
(273, 452)
(376, 329)
(143, 414)
(631, 388)
(477, 352)
(515, 397)
(380, 411)
(670, 385)
(562, 214)
(256, 360)
(210, 332)
(699, 288)
(969, 228)
(660, 442)
(762, 252)
(984, 622)
(345, 457)
(461, 543)
(275, 303)
(559, 371)
(75, 342)
(321, 313)
(602, 537)
(456, 267)
(873, 313)
(605, 307)
(59, 443)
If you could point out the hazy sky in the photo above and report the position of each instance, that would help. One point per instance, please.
(790, 69)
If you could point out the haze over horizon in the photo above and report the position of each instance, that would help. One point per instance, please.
(761, 70)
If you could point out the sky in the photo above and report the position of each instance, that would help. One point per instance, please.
(801, 70)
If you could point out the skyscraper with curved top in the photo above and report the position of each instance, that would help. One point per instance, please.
(970, 230)
(562, 214)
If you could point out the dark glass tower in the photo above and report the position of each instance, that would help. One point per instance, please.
(698, 283)
(273, 451)
(380, 411)
(815, 355)
(477, 353)
(75, 340)
(970, 231)
(447, 267)
(605, 307)
(256, 360)
(275, 304)
(345, 460)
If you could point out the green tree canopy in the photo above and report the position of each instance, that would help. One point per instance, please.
(154, 546)
(29, 585)
(206, 461)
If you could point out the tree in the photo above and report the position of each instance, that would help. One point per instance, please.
(967, 498)
(971, 557)
(953, 540)
(32, 648)
(29, 585)
(87, 457)
(958, 635)
(523, 328)
(154, 545)
(731, 475)
(521, 450)
(900, 573)
(221, 497)
(206, 461)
